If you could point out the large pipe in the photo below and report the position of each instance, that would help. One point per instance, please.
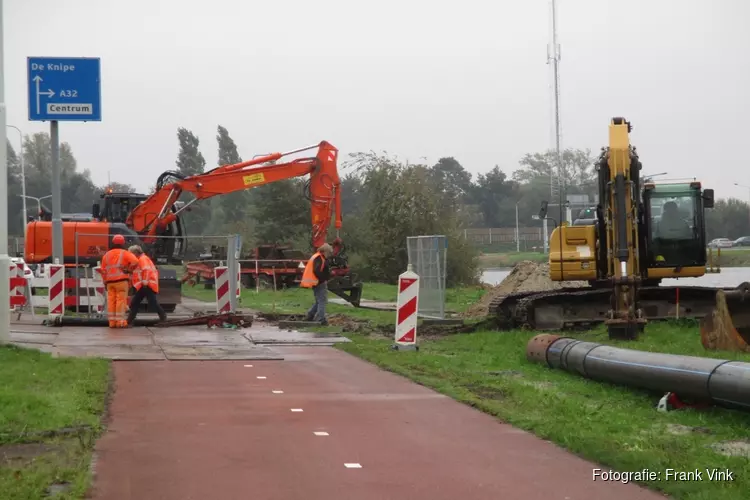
(725, 383)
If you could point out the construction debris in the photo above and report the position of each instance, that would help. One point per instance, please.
(526, 276)
(213, 320)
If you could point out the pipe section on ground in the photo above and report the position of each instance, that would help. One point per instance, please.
(722, 382)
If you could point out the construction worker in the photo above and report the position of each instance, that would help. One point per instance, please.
(115, 268)
(146, 284)
(316, 275)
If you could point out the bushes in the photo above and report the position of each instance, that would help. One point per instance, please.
(384, 202)
(396, 201)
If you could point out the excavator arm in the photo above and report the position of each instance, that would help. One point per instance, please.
(625, 319)
(155, 214)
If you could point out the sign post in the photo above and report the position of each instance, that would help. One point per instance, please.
(4, 257)
(62, 89)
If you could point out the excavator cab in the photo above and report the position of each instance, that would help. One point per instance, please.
(117, 206)
(675, 229)
(168, 249)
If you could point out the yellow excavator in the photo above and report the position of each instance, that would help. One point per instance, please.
(642, 233)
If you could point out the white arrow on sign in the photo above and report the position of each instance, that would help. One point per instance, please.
(49, 93)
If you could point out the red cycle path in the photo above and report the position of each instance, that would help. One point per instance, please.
(211, 430)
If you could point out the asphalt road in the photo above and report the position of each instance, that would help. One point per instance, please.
(319, 425)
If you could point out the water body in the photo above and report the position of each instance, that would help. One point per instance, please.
(728, 277)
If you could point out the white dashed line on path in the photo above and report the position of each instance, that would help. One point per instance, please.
(353, 466)
(278, 392)
(248, 366)
(297, 409)
(320, 433)
(260, 377)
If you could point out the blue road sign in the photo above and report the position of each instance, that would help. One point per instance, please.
(64, 89)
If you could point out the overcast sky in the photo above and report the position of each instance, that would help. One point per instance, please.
(417, 78)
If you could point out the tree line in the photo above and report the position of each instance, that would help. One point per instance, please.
(384, 200)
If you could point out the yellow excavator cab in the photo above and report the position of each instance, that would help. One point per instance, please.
(674, 229)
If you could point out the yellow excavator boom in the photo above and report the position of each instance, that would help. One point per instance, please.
(625, 319)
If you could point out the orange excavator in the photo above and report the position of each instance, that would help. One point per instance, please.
(154, 221)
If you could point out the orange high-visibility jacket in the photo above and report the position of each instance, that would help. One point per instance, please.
(116, 263)
(146, 274)
(309, 279)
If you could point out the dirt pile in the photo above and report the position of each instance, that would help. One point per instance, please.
(349, 325)
(526, 276)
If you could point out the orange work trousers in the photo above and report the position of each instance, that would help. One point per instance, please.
(117, 303)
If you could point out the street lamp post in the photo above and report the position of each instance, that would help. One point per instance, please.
(645, 178)
(38, 201)
(23, 176)
(649, 176)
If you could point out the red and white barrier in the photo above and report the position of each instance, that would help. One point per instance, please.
(20, 290)
(18, 286)
(100, 291)
(91, 291)
(406, 310)
(56, 307)
(221, 284)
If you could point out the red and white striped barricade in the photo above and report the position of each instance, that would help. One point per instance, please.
(100, 292)
(20, 291)
(17, 284)
(221, 285)
(18, 287)
(56, 291)
(406, 311)
(86, 294)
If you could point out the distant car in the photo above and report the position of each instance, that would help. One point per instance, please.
(743, 241)
(720, 243)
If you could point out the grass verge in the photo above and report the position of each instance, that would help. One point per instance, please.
(733, 257)
(50, 416)
(611, 425)
(299, 300)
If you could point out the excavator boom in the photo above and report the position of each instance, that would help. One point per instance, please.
(156, 213)
(625, 319)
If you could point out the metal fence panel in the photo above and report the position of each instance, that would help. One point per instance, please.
(428, 257)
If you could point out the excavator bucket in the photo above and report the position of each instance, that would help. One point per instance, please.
(727, 327)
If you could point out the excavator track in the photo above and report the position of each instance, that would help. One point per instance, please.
(581, 308)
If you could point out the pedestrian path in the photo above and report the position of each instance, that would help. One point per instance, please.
(320, 424)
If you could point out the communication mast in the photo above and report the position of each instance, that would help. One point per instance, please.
(556, 179)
